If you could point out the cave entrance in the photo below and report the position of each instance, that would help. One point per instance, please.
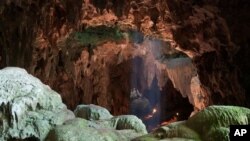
(155, 105)
(153, 83)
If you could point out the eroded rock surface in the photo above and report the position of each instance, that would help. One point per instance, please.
(28, 108)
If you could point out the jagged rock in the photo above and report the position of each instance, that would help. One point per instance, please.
(98, 127)
(211, 124)
(92, 112)
(28, 108)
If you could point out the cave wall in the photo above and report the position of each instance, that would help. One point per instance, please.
(213, 33)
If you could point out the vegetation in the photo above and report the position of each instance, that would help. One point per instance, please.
(93, 36)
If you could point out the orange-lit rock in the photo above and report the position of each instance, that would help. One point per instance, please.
(214, 34)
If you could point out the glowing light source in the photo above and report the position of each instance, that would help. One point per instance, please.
(173, 119)
(154, 111)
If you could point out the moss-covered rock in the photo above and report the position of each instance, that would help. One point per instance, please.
(215, 120)
(176, 131)
(96, 35)
(28, 108)
(211, 124)
(220, 134)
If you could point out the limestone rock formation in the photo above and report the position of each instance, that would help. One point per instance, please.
(209, 124)
(213, 34)
(95, 123)
(101, 115)
(82, 130)
(28, 108)
(92, 112)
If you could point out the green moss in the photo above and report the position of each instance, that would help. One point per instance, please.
(218, 134)
(176, 131)
(96, 35)
(213, 122)
(148, 137)
(218, 116)
(183, 132)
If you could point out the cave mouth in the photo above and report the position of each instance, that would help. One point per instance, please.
(105, 66)
(155, 106)
(134, 80)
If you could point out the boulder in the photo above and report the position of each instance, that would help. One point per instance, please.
(95, 123)
(128, 122)
(210, 124)
(83, 130)
(213, 122)
(92, 112)
(28, 108)
(103, 117)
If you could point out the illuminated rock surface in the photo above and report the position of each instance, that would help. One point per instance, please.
(212, 33)
(28, 108)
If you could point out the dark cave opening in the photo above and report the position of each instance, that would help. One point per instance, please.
(154, 105)
(159, 107)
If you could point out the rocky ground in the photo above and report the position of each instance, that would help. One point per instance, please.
(31, 111)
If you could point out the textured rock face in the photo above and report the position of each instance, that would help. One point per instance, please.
(103, 127)
(209, 124)
(211, 32)
(204, 30)
(92, 112)
(28, 108)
